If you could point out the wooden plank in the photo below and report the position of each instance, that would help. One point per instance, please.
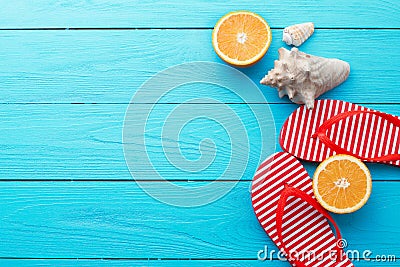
(73, 142)
(110, 66)
(150, 14)
(118, 220)
(164, 263)
(155, 262)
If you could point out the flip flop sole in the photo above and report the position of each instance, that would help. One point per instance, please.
(305, 231)
(365, 135)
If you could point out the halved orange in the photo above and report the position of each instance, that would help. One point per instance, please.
(342, 184)
(241, 38)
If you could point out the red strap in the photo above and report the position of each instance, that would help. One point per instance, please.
(292, 191)
(321, 134)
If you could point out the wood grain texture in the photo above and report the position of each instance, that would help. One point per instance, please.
(151, 14)
(104, 219)
(76, 142)
(143, 263)
(110, 66)
(108, 220)
(164, 263)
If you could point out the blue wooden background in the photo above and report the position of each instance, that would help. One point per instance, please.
(68, 70)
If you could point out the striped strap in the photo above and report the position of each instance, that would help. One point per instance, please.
(321, 134)
(292, 191)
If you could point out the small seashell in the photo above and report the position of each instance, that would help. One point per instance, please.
(303, 77)
(297, 34)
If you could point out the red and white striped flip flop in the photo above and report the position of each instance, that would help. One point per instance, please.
(284, 203)
(338, 127)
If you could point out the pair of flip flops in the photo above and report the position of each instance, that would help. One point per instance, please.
(282, 194)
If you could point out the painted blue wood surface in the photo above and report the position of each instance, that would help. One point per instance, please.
(46, 141)
(202, 13)
(109, 66)
(119, 220)
(80, 142)
(157, 262)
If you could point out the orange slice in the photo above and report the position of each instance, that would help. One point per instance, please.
(342, 184)
(241, 38)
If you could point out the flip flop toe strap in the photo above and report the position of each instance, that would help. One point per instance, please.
(322, 131)
(292, 191)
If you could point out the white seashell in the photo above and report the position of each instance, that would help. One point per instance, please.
(305, 77)
(297, 34)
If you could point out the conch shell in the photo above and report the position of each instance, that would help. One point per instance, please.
(297, 34)
(305, 77)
